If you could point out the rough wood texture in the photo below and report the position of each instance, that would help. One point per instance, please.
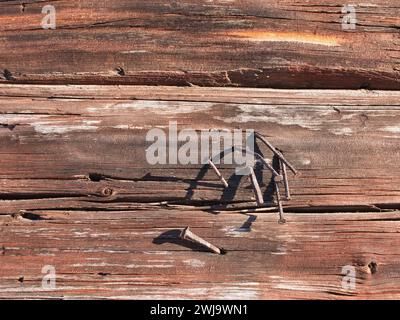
(135, 254)
(77, 193)
(281, 44)
(82, 146)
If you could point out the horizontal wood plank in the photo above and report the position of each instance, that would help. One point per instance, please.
(253, 43)
(89, 149)
(77, 194)
(136, 254)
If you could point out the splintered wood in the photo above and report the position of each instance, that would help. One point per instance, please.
(78, 194)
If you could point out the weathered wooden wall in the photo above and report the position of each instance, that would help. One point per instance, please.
(77, 193)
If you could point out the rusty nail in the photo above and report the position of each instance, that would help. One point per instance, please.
(256, 187)
(263, 161)
(278, 199)
(285, 180)
(186, 234)
(274, 172)
(218, 173)
(274, 150)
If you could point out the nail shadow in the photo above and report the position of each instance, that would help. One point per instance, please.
(228, 194)
(249, 222)
(150, 177)
(268, 194)
(234, 181)
(193, 184)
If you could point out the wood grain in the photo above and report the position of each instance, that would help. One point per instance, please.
(77, 193)
(76, 147)
(134, 254)
(252, 43)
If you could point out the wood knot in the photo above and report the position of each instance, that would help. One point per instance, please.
(107, 192)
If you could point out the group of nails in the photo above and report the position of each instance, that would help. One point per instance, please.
(186, 234)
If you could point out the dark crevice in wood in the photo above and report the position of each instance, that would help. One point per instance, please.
(29, 216)
(8, 75)
(339, 208)
(279, 78)
(8, 126)
(96, 177)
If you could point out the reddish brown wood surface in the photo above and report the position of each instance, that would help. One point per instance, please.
(135, 254)
(77, 194)
(252, 43)
(90, 149)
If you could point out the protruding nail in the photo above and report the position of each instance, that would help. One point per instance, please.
(278, 199)
(261, 159)
(218, 173)
(256, 187)
(189, 235)
(274, 150)
(285, 180)
(265, 163)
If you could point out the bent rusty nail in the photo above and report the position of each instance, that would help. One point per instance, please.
(285, 180)
(256, 187)
(278, 199)
(274, 150)
(263, 161)
(186, 234)
(218, 173)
